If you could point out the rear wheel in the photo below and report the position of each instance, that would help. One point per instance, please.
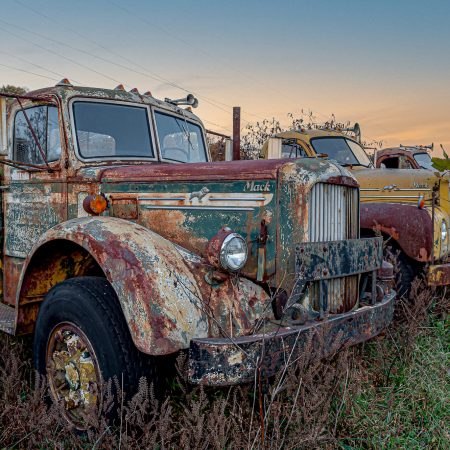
(82, 340)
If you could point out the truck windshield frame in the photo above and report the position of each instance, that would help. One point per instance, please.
(186, 139)
(351, 153)
(128, 137)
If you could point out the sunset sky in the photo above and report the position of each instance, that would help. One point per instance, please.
(385, 64)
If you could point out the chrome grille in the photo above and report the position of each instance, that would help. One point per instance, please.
(334, 216)
(333, 213)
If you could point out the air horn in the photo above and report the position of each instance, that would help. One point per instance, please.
(189, 100)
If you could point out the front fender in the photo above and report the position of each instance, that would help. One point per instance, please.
(410, 226)
(161, 288)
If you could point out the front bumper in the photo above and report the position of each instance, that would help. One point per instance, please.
(225, 361)
(439, 275)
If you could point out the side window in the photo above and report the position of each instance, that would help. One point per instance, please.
(291, 149)
(391, 163)
(53, 135)
(44, 120)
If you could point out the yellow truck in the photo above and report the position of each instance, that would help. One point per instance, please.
(409, 207)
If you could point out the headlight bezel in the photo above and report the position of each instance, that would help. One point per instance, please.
(224, 254)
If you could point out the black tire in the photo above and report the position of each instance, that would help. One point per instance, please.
(91, 305)
(404, 274)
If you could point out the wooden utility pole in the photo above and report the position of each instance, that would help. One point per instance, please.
(236, 132)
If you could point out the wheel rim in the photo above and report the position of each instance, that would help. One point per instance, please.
(73, 373)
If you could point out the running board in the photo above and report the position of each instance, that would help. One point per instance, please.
(7, 318)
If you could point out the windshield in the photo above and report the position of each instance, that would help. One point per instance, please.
(424, 161)
(179, 140)
(342, 150)
(108, 130)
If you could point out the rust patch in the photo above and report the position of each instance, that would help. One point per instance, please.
(13, 268)
(410, 226)
(222, 362)
(124, 209)
(343, 180)
(231, 170)
(212, 252)
(174, 226)
(391, 231)
(439, 275)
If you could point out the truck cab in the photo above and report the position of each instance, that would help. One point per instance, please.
(123, 245)
(410, 207)
(414, 157)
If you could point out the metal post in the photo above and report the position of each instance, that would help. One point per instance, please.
(3, 133)
(236, 132)
(433, 206)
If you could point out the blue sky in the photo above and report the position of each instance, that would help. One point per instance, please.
(384, 64)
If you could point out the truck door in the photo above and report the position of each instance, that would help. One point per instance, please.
(34, 200)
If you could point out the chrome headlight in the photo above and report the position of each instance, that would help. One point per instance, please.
(443, 231)
(233, 252)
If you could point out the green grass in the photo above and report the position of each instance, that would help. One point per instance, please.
(441, 164)
(404, 401)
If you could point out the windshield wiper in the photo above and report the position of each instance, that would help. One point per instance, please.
(349, 164)
(185, 130)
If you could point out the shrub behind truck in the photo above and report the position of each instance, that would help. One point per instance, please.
(123, 245)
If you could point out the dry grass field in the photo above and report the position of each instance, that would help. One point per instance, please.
(392, 392)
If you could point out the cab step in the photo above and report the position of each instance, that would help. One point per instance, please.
(7, 318)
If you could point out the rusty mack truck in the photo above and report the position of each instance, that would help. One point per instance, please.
(123, 244)
(409, 207)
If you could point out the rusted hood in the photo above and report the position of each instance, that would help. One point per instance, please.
(232, 170)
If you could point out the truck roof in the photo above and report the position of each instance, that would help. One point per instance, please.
(310, 133)
(402, 151)
(66, 91)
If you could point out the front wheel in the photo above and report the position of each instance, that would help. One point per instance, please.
(82, 340)
(405, 272)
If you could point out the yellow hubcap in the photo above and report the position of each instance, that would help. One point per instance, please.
(73, 372)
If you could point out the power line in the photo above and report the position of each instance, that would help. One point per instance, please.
(27, 71)
(217, 125)
(54, 52)
(97, 57)
(196, 48)
(212, 102)
(59, 55)
(147, 73)
(36, 65)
